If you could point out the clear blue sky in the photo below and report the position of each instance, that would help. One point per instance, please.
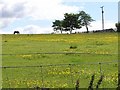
(36, 16)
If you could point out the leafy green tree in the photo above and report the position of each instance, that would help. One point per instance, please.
(57, 24)
(71, 22)
(118, 26)
(85, 19)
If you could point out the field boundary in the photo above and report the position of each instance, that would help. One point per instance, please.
(93, 63)
(60, 53)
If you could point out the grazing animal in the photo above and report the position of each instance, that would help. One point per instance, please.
(16, 32)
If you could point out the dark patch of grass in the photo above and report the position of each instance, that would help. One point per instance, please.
(5, 41)
(73, 47)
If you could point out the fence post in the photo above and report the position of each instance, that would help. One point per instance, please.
(77, 85)
(71, 74)
(100, 68)
(42, 77)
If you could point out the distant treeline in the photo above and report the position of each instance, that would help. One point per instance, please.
(105, 30)
(97, 31)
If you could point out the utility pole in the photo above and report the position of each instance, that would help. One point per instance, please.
(102, 18)
(119, 12)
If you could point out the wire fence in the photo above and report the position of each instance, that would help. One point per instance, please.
(50, 53)
(59, 75)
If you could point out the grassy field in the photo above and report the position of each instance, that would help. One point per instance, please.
(30, 50)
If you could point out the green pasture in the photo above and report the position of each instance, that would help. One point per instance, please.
(51, 51)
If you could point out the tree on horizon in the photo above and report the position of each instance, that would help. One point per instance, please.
(85, 19)
(72, 21)
(57, 25)
(118, 26)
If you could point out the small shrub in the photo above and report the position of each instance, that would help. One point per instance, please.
(73, 47)
(5, 41)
